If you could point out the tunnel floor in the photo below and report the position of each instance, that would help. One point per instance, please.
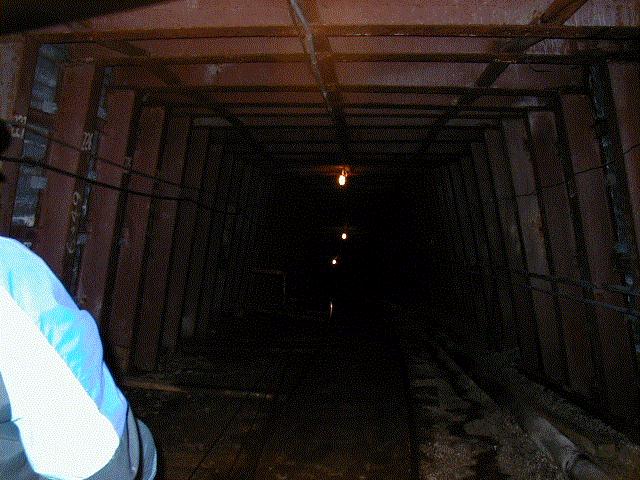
(307, 405)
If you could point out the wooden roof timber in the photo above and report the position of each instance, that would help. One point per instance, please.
(616, 33)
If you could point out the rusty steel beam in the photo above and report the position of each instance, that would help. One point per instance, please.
(261, 115)
(556, 14)
(364, 106)
(597, 387)
(305, 13)
(139, 57)
(483, 31)
(120, 46)
(171, 78)
(22, 15)
(478, 91)
(120, 216)
(143, 59)
(472, 115)
(78, 226)
(320, 143)
(282, 127)
(123, 47)
(619, 33)
(560, 11)
(613, 161)
(175, 82)
(549, 255)
(579, 58)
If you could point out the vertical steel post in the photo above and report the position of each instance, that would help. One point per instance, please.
(598, 389)
(547, 248)
(612, 153)
(20, 119)
(121, 210)
(77, 232)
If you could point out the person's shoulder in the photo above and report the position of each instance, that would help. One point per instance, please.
(11, 243)
(13, 253)
(23, 271)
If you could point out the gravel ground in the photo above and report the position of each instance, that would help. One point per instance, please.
(463, 435)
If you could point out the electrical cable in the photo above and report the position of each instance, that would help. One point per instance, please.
(565, 182)
(623, 310)
(108, 161)
(609, 288)
(152, 196)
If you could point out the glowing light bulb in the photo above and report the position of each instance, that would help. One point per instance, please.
(342, 179)
(334, 261)
(344, 235)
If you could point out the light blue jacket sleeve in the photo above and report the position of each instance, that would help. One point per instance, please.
(73, 420)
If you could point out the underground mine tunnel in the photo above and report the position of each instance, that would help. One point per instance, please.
(331, 239)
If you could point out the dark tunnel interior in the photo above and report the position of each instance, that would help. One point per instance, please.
(333, 239)
(375, 262)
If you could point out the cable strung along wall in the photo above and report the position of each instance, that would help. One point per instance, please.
(535, 233)
(163, 214)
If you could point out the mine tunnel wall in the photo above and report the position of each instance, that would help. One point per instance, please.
(177, 213)
(533, 236)
(528, 237)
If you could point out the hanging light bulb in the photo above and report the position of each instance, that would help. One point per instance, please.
(344, 235)
(334, 261)
(342, 179)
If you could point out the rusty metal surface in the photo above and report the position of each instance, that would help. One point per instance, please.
(617, 353)
(532, 224)
(511, 231)
(184, 236)
(199, 246)
(623, 76)
(129, 262)
(159, 246)
(102, 216)
(225, 178)
(57, 200)
(393, 90)
(553, 191)
(76, 236)
(508, 330)
(20, 15)
(486, 256)
(470, 233)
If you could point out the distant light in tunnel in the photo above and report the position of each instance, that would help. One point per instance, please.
(344, 235)
(342, 179)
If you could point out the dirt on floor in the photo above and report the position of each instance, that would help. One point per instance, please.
(463, 435)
